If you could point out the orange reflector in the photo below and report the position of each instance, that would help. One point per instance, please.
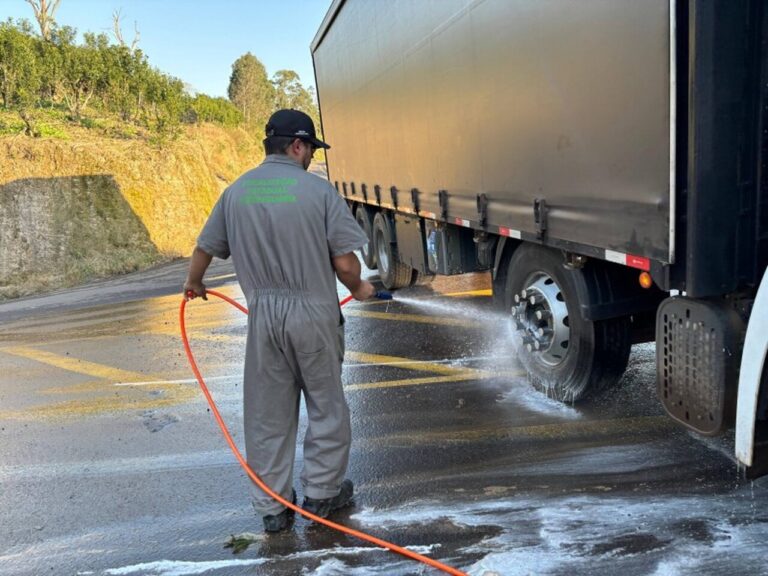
(645, 280)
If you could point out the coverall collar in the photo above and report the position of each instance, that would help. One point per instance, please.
(281, 159)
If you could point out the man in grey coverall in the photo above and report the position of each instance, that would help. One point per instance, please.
(290, 235)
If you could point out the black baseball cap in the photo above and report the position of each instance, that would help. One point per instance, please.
(294, 124)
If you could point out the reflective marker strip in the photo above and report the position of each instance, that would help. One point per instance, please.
(509, 232)
(628, 260)
(460, 222)
(638, 262)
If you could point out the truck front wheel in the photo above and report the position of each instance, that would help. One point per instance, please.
(565, 356)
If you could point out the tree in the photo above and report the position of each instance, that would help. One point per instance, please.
(83, 72)
(250, 89)
(219, 110)
(50, 58)
(44, 11)
(166, 102)
(19, 74)
(291, 94)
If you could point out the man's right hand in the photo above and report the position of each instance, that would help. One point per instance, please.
(364, 291)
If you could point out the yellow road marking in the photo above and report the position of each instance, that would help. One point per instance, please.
(133, 399)
(406, 363)
(415, 381)
(451, 374)
(178, 394)
(412, 318)
(486, 292)
(76, 365)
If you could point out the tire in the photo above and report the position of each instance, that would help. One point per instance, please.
(364, 220)
(393, 273)
(572, 358)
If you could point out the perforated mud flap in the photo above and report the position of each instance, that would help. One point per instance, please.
(697, 359)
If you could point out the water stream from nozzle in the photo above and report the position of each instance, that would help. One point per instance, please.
(503, 355)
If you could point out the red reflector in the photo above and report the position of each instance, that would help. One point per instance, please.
(638, 262)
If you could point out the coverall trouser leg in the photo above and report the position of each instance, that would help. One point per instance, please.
(294, 346)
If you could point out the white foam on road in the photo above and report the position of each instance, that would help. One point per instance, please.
(179, 568)
(667, 536)
(524, 395)
(187, 568)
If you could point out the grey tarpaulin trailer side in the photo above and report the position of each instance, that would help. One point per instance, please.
(599, 137)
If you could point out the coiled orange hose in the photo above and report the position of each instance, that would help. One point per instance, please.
(372, 539)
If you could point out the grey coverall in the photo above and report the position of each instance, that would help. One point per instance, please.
(282, 225)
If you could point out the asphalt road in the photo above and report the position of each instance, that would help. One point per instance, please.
(110, 462)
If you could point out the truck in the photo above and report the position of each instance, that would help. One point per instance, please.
(605, 160)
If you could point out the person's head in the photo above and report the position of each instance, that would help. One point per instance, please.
(292, 133)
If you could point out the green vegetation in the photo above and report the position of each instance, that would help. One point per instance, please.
(49, 81)
(218, 110)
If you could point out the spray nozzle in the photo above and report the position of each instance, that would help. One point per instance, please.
(382, 295)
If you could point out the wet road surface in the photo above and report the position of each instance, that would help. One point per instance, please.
(110, 462)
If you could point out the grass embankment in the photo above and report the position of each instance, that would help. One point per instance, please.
(100, 197)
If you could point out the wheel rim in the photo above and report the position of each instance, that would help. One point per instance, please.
(541, 316)
(366, 249)
(381, 252)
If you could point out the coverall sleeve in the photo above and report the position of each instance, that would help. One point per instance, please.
(343, 233)
(213, 238)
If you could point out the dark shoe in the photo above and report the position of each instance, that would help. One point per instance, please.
(325, 506)
(279, 522)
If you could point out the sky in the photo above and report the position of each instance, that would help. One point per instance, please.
(199, 40)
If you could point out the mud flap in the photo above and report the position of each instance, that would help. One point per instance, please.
(697, 359)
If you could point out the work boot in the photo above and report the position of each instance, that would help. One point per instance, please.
(325, 506)
(274, 523)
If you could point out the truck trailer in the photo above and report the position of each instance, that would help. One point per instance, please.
(605, 160)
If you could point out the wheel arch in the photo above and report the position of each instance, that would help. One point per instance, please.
(753, 379)
(606, 290)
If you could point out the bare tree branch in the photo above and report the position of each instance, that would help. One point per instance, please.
(117, 16)
(44, 12)
(136, 35)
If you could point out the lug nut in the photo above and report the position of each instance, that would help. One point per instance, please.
(537, 344)
(535, 299)
(528, 340)
(517, 298)
(542, 332)
(524, 294)
(543, 314)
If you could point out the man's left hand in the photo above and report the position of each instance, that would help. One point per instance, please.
(194, 289)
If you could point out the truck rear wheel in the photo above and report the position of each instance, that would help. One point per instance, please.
(393, 273)
(565, 356)
(364, 220)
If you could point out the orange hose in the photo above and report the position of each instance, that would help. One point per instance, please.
(260, 483)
